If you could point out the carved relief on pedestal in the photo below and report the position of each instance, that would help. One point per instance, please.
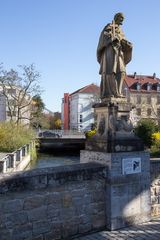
(102, 125)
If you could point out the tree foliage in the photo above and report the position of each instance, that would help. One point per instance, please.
(57, 123)
(144, 129)
(14, 136)
(19, 87)
(37, 115)
(50, 121)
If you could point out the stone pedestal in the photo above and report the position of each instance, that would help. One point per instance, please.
(114, 129)
(128, 173)
(127, 186)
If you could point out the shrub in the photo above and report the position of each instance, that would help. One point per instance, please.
(13, 137)
(156, 136)
(155, 151)
(155, 148)
(90, 133)
(144, 129)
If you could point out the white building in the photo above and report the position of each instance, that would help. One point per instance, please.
(77, 111)
(9, 105)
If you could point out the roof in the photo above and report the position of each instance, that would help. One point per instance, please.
(132, 80)
(92, 88)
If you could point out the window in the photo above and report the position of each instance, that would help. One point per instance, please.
(149, 86)
(11, 91)
(8, 113)
(158, 87)
(149, 99)
(138, 86)
(128, 98)
(138, 111)
(158, 99)
(138, 99)
(149, 112)
(14, 113)
(12, 102)
(80, 118)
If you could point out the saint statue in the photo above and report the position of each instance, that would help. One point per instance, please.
(113, 53)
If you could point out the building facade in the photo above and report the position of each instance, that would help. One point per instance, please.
(77, 111)
(141, 90)
(144, 93)
(10, 107)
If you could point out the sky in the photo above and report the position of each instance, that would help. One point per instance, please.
(60, 37)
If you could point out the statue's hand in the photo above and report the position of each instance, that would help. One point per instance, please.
(126, 44)
(116, 42)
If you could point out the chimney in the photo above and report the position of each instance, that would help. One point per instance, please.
(135, 75)
(154, 75)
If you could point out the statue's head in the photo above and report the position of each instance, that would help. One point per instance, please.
(118, 18)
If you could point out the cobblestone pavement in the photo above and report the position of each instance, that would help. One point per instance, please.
(145, 231)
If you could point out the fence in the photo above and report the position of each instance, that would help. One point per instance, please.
(10, 161)
(60, 133)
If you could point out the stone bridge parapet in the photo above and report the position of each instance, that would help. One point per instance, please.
(52, 203)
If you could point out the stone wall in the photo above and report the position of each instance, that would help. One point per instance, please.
(52, 203)
(128, 200)
(155, 187)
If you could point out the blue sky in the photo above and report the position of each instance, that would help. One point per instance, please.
(60, 37)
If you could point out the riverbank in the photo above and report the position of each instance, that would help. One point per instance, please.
(17, 160)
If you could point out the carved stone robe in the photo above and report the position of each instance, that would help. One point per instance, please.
(112, 60)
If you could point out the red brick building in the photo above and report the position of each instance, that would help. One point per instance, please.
(77, 111)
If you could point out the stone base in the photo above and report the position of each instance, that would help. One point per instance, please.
(127, 186)
(119, 144)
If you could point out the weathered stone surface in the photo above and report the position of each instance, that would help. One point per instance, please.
(127, 195)
(40, 237)
(155, 187)
(33, 202)
(62, 209)
(17, 218)
(53, 212)
(67, 200)
(41, 227)
(145, 231)
(22, 232)
(5, 234)
(84, 228)
(37, 213)
(11, 206)
(53, 235)
(98, 221)
(53, 198)
(80, 203)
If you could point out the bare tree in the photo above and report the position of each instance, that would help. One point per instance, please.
(18, 89)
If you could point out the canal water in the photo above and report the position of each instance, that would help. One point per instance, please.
(51, 159)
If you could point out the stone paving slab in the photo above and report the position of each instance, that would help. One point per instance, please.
(144, 231)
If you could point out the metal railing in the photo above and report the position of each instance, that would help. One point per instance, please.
(9, 162)
(60, 133)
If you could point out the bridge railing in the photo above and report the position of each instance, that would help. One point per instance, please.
(10, 161)
(60, 133)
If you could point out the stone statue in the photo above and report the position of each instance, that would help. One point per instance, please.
(113, 53)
